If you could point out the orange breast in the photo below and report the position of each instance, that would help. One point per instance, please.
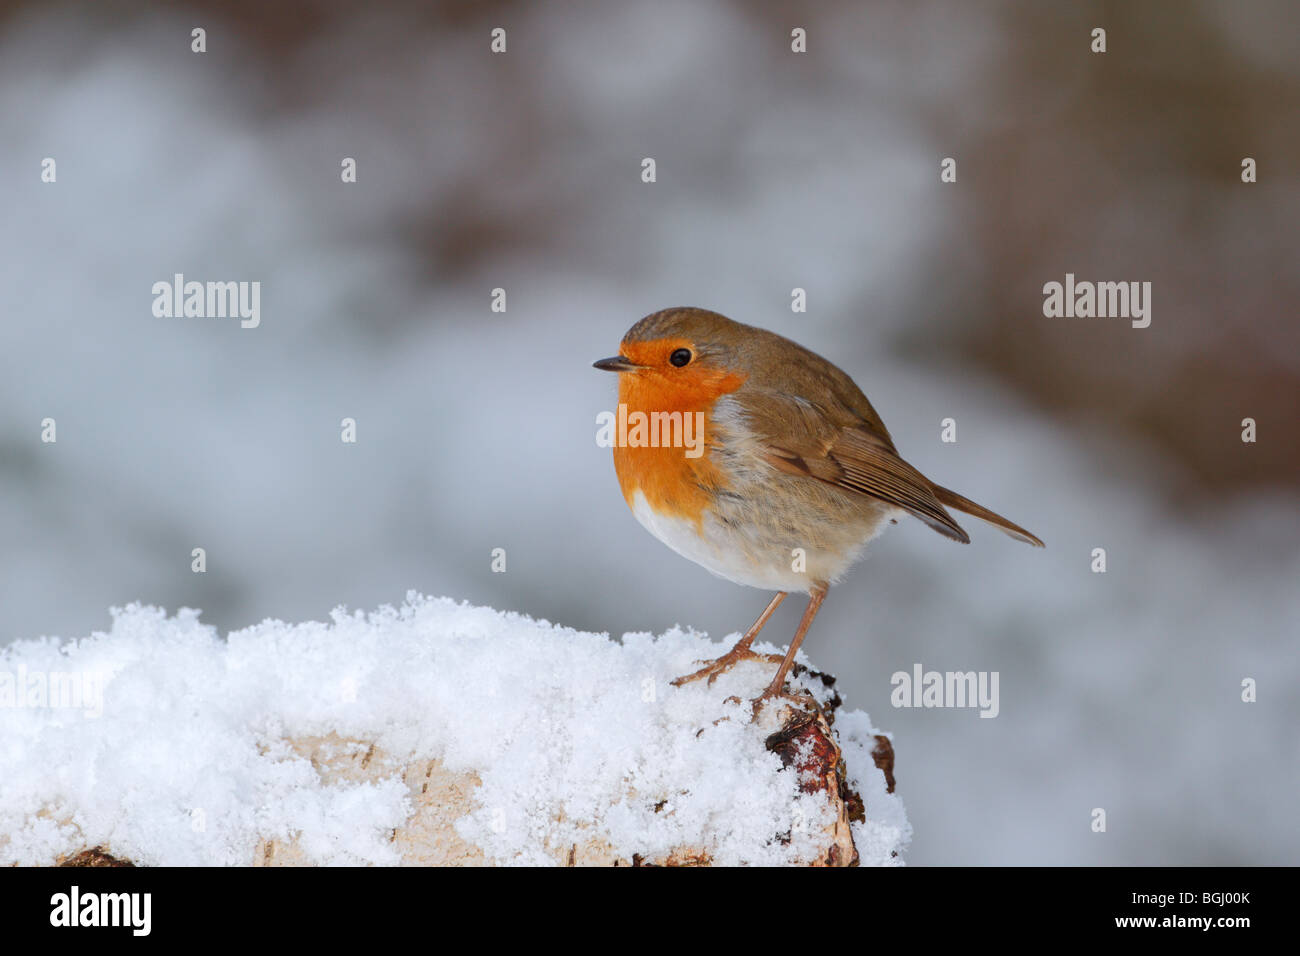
(672, 482)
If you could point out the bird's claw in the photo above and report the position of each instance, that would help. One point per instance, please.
(715, 668)
(802, 701)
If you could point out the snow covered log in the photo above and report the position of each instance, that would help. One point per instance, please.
(431, 734)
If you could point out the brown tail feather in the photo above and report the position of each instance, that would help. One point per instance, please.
(954, 500)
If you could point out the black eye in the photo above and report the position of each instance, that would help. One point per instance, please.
(680, 357)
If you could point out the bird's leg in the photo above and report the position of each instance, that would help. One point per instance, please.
(740, 652)
(777, 687)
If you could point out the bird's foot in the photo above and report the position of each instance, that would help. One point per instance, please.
(800, 701)
(713, 669)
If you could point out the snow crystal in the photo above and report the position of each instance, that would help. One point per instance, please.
(177, 751)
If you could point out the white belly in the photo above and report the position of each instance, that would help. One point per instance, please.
(747, 552)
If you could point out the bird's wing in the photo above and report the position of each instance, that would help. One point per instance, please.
(846, 447)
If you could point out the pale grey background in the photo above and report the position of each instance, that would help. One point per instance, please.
(821, 171)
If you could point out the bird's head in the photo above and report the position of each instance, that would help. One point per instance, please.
(685, 355)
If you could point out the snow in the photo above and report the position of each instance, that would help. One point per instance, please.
(1119, 689)
(185, 759)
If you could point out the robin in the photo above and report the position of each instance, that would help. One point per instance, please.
(794, 475)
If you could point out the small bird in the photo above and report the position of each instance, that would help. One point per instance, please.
(794, 473)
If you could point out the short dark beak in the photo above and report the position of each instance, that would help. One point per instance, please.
(616, 363)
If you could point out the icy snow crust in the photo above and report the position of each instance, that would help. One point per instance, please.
(572, 735)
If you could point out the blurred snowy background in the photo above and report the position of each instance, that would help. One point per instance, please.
(476, 430)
